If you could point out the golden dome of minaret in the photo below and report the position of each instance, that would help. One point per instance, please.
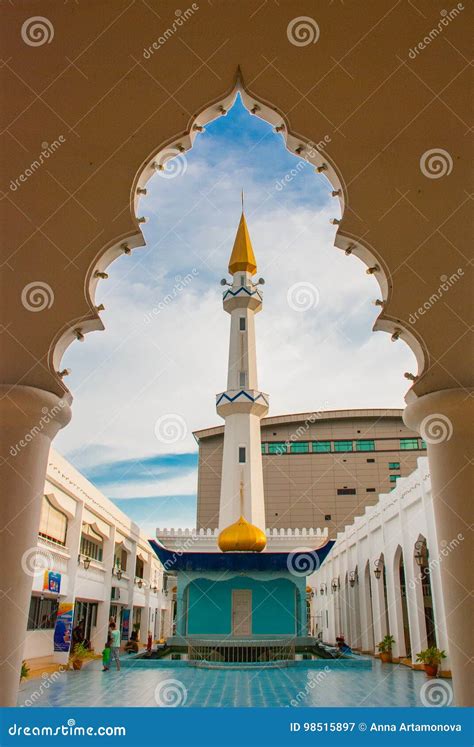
(242, 536)
(242, 258)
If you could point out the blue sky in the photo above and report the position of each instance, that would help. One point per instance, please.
(144, 384)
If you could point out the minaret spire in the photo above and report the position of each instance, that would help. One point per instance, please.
(242, 405)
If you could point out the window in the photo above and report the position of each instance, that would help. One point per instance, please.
(342, 445)
(423, 444)
(277, 447)
(120, 559)
(327, 517)
(321, 446)
(370, 490)
(53, 523)
(139, 567)
(264, 448)
(300, 447)
(242, 280)
(393, 478)
(42, 614)
(242, 378)
(408, 443)
(242, 324)
(90, 546)
(346, 491)
(365, 445)
(394, 465)
(371, 460)
(242, 458)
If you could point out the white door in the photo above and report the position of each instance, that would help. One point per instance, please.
(241, 612)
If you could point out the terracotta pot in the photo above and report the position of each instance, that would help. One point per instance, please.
(77, 664)
(431, 670)
(385, 656)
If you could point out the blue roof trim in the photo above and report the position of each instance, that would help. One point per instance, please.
(177, 560)
(224, 395)
(242, 288)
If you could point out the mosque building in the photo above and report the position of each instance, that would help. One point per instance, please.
(242, 582)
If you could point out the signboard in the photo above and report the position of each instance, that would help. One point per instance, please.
(52, 582)
(63, 627)
(125, 624)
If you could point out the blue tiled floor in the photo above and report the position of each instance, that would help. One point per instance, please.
(383, 685)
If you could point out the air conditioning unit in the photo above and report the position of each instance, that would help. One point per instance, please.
(115, 593)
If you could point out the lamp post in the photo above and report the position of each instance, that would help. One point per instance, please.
(378, 565)
(420, 553)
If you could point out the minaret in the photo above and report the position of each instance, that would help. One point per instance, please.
(242, 405)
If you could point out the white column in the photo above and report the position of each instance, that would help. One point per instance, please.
(445, 420)
(103, 611)
(395, 612)
(73, 542)
(367, 633)
(378, 608)
(30, 420)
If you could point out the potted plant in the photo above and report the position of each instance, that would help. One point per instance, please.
(25, 671)
(385, 648)
(431, 657)
(79, 655)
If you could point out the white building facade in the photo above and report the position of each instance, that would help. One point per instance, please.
(383, 576)
(99, 560)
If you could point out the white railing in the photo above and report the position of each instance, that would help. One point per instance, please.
(304, 532)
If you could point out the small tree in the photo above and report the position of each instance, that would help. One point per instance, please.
(25, 671)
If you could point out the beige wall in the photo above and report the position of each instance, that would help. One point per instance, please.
(301, 489)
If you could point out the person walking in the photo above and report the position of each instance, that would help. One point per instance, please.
(115, 645)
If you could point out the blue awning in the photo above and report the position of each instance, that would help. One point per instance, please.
(300, 563)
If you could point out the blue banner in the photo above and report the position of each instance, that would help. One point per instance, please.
(63, 627)
(238, 727)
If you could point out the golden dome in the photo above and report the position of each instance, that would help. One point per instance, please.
(241, 537)
(242, 257)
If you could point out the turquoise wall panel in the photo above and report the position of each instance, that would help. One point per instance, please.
(274, 609)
